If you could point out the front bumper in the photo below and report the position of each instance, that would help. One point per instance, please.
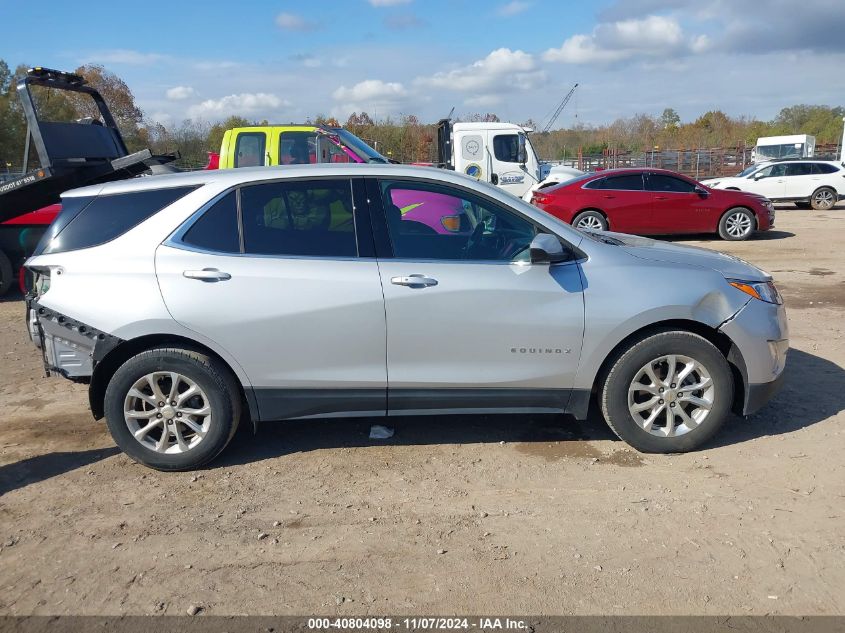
(760, 333)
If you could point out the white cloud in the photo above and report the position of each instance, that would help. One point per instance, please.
(180, 93)
(513, 8)
(388, 3)
(500, 69)
(292, 22)
(649, 37)
(370, 90)
(243, 104)
(123, 56)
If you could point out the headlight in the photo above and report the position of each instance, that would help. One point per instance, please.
(762, 290)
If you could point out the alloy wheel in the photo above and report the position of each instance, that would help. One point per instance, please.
(671, 395)
(590, 223)
(738, 224)
(167, 412)
(824, 199)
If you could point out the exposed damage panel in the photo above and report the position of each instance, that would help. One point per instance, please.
(68, 347)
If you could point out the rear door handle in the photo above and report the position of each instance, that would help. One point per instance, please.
(609, 197)
(661, 197)
(207, 274)
(414, 281)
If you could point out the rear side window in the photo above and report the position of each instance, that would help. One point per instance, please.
(629, 182)
(249, 149)
(106, 217)
(217, 228)
(71, 207)
(824, 168)
(799, 169)
(308, 218)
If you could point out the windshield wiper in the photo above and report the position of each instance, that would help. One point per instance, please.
(605, 238)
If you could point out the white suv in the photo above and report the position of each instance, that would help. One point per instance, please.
(816, 184)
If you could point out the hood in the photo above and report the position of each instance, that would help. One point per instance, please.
(729, 266)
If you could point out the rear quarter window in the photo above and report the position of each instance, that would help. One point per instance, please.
(104, 218)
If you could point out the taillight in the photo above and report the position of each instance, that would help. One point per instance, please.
(540, 198)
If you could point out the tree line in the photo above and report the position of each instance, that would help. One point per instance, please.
(406, 138)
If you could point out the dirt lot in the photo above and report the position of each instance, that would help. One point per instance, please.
(464, 514)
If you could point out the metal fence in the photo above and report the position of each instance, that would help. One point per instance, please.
(696, 163)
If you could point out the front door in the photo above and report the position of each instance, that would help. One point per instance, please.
(769, 181)
(509, 173)
(471, 325)
(288, 296)
(676, 207)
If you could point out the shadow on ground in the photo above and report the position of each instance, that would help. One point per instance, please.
(41, 467)
(797, 406)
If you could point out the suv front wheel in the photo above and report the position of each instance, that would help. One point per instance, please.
(172, 409)
(668, 393)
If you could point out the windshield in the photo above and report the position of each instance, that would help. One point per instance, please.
(359, 147)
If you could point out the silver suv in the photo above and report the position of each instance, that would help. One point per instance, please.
(191, 302)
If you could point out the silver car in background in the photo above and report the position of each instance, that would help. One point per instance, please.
(191, 302)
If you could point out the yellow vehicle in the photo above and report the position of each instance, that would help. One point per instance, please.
(266, 145)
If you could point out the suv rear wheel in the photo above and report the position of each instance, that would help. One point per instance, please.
(823, 199)
(668, 393)
(172, 409)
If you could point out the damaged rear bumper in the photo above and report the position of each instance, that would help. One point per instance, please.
(68, 347)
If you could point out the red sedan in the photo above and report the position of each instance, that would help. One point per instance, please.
(654, 202)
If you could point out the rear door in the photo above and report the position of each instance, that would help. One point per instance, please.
(801, 181)
(276, 274)
(470, 324)
(623, 200)
(677, 208)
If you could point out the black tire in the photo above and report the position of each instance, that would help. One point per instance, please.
(613, 394)
(592, 217)
(823, 199)
(209, 374)
(804, 205)
(737, 217)
(7, 276)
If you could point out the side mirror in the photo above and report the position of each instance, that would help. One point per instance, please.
(521, 151)
(701, 191)
(758, 176)
(546, 249)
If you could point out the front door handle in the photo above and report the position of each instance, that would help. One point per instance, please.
(207, 274)
(414, 281)
(661, 197)
(609, 196)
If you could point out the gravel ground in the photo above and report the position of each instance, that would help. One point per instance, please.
(470, 514)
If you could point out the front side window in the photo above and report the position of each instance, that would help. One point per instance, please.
(428, 221)
(628, 182)
(249, 149)
(309, 218)
(297, 148)
(506, 148)
(662, 182)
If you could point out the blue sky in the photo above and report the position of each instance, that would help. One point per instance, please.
(286, 61)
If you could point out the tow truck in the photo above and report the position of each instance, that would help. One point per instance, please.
(70, 154)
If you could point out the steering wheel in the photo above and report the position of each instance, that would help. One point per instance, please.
(474, 239)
